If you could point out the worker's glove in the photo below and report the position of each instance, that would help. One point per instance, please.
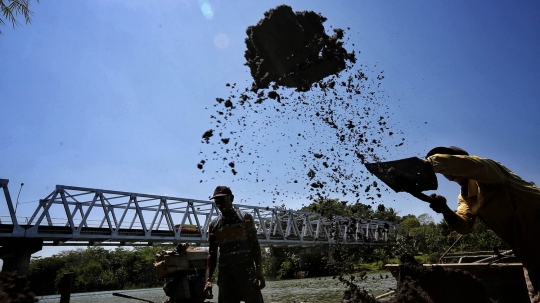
(208, 290)
(438, 203)
(259, 281)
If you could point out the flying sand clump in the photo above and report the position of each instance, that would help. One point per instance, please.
(293, 50)
(311, 107)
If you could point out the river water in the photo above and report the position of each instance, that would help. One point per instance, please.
(316, 290)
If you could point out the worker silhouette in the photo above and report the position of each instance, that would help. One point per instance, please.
(240, 271)
(507, 204)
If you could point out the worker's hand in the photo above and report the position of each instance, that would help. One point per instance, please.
(438, 203)
(208, 290)
(259, 281)
(428, 164)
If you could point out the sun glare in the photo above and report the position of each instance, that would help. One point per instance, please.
(221, 41)
(206, 9)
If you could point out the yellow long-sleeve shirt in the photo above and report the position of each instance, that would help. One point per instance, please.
(507, 204)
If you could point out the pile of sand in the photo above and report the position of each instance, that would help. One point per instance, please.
(420, 284)
(15, 289)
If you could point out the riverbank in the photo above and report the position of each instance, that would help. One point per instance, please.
(316, 290)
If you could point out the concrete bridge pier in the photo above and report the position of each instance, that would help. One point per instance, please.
(16, 252)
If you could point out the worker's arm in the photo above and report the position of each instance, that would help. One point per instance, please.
(211, 262)
(462, 221)
(465, 219)
(439, 206)
(251, 232)
(256, 251)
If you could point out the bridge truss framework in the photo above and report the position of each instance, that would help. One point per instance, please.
(75, 216)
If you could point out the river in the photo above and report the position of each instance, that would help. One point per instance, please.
(316, 290)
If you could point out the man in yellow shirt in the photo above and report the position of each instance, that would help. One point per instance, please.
(507, 204)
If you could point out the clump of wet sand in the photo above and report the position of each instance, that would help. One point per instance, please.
(293, 50)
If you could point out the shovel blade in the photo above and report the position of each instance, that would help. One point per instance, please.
(412, 175)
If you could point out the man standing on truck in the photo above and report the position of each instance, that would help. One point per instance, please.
(507, 204)
(240, 264)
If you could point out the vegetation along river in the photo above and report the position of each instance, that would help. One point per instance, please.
(317, 290)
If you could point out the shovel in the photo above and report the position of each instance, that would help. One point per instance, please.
(411, 175)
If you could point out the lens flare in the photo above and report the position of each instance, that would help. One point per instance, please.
(206, 9)
(221, 41)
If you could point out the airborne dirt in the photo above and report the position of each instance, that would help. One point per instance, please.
(311, 112)
(316, 115)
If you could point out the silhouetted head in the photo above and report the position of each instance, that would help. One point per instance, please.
(223, 197)
(454, 151)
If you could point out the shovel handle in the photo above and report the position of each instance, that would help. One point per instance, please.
(422, 196)
(130, 297)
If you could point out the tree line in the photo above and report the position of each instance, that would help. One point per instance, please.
(95, 269)
(99, 269)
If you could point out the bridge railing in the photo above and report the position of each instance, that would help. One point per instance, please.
(72, 214)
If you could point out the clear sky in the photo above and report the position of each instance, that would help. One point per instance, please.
(117, 94)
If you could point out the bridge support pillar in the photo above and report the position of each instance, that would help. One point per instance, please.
(16, 252)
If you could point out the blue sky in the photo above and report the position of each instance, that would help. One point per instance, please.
(117, 94)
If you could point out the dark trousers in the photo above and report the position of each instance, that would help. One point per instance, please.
(235, 284)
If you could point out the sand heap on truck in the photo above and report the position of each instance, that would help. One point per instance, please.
(421, 284)
(293, 50)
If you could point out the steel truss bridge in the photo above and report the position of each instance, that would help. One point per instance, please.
(77, 216)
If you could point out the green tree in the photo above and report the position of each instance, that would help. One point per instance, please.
(289, 267)
(386, 214)
(408, 223)
(359, 210)
(42, 274)
(144, 272)
(280, 262)
(11, 9)
(328, 207)
(119, 264)
(425, 219)
(427, 237)
(89, 278)
(480, 238)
